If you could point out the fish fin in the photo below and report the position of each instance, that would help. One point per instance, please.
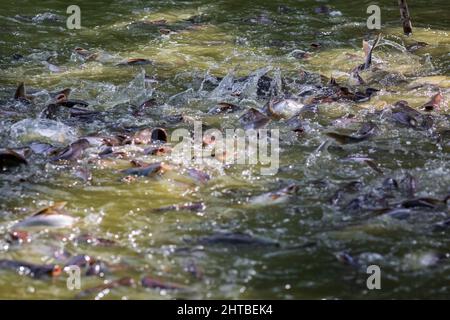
(51, 209)
(20, 91)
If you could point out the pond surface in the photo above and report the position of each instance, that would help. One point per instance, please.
(380, 200)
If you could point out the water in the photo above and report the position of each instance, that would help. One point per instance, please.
(231, 39)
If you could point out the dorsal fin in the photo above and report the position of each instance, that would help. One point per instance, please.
(20, 91)
(65, 92)
(54, 209)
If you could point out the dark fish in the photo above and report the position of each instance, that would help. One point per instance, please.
(88, 264)
(159, 135)
(402, 113)
(72, 152)
(422, 203)
(191, 206)
(10, 159)
(367, 130)
(368, 50)
(347, 259)
(122, 282)
(434, 103)
(150, 170)
(152, 283)
(30, 269)
(134, 62)
(254, 119)
(198, 175)
(236, 239)
(368, 161)
(224, 107)
(405, 17)
(21, 94)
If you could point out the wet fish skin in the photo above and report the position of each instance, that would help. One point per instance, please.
(150, 170)
(51, 216)
(152, 283)
(224, 107)
(191, 206)
(72, 152)
(10, 159)
(122, 282)
(30, 269)
(253, 119)
(134, 62)
(236, 239)
(366, 131)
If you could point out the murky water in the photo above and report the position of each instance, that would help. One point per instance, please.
(327, 232)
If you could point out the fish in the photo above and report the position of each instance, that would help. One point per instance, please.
(405, 17)
(190, 206)
(30, 269)
(421, 203)
(274, 197)
(368, 51)
(224, 107)
(21, 94)
(10, 159)
(147, 135)
(347, 259)
(284, 108)
(402, 113)
(253, 119)
(122, 282)
(134, 62)
(434, 103)
(152, 283)
(158, 151)
(53, 216)
(72, 152)
(149, 170)
(368, 161)
(86, 54)
(367, 131)
(199, 176)
(236, 239)
(88, 264)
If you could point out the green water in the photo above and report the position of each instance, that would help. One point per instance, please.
(234, 38)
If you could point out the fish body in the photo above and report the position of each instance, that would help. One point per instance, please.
(236, 238)
(30, 269)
